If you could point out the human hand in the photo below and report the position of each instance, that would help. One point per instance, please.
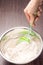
(31, 15)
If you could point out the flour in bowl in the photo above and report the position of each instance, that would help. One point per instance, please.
(20, 45)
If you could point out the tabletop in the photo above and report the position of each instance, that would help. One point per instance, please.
(11, 15)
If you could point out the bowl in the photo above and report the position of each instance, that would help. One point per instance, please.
(9, 35)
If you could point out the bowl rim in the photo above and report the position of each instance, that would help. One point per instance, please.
(23, 62)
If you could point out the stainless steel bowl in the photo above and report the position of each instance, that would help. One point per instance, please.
(24, 62)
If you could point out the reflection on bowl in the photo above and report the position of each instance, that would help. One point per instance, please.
(20, 45)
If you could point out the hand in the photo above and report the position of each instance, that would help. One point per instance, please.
(32, 17)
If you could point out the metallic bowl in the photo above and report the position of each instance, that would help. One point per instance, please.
(24, 62)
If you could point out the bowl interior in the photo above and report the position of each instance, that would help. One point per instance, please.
(12, 34)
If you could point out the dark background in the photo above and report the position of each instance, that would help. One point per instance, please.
(11, 15)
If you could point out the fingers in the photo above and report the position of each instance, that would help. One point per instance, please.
(40, 9)
(37, 19)
(38, 13)
(27, 15)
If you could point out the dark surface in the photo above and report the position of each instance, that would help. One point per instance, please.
(11, 15)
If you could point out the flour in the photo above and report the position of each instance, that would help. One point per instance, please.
(20, 52)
